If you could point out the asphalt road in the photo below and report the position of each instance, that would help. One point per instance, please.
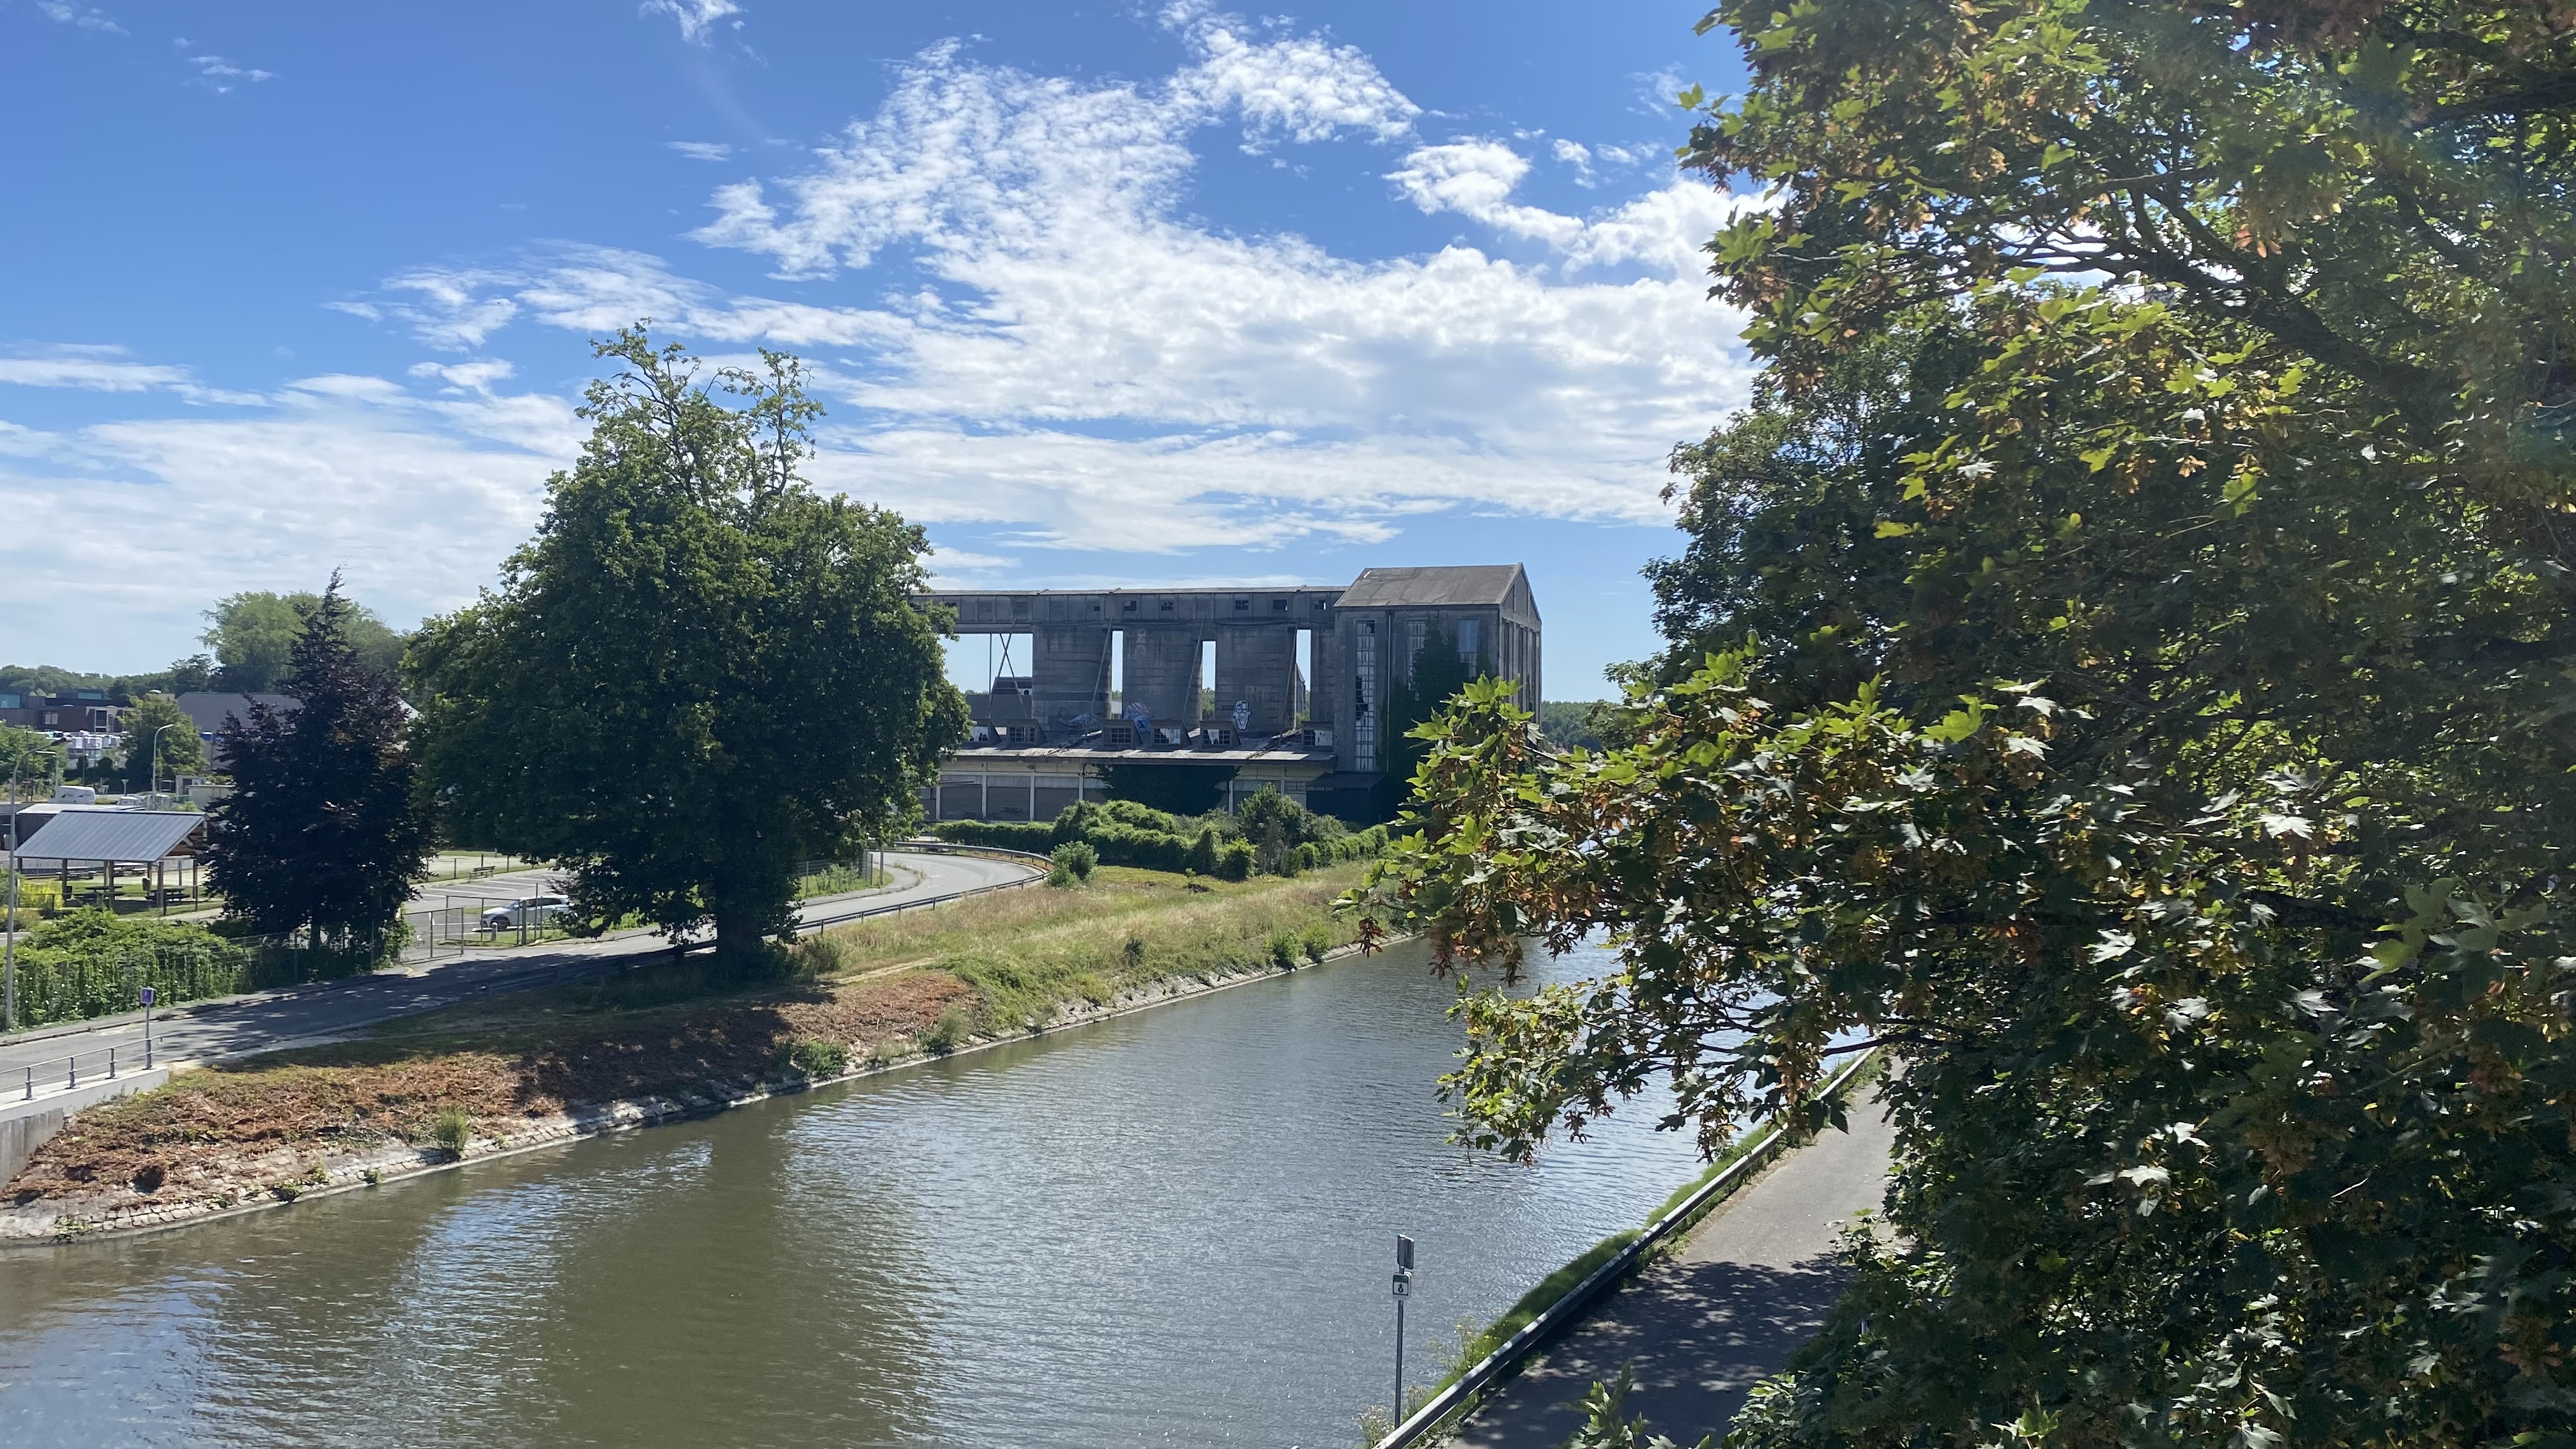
(270, 1020)
(1753, 1283)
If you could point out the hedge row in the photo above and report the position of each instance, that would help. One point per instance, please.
(1125, 833)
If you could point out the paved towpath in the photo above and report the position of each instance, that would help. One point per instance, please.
(1752, 1284)
(273, 1019)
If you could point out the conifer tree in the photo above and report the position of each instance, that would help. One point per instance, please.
(322, 831)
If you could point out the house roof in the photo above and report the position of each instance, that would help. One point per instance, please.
(206, 709)
(1430, 587)
(90, 832)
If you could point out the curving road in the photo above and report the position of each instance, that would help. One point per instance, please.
(272, 1019)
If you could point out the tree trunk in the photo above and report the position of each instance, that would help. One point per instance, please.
(739, 947)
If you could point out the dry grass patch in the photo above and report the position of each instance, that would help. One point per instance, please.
(884, 988)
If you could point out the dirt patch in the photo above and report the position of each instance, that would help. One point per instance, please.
(297, 1115)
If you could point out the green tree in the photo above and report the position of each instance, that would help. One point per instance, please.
(29, 758)
(700, 672)
(253, 635)
(322, 832)
(2220, 929)
(158, 735)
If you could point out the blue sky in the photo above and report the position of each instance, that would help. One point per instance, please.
(1098, 294)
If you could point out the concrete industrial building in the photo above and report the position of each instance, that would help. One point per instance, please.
(1066, 707)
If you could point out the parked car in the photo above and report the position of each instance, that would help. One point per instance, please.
(527, 911)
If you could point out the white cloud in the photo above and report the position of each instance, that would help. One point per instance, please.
(473, 377)
(1299, 88)
(87, 17)
(222, 74)
(1578, 156)
(418, 498)
(91, 373)
(696, 17)
(701, 150)
(1021, 328)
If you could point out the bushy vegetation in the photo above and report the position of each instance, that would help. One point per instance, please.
(1028, 954)
(2121, 663)
(92, 962)
(1071, 863)
(1272, 835)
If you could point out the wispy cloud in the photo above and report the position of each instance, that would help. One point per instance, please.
(87, 17)
(100, 369)
(701, 150)
(696, 17)
(94, 374)
(223, 75)
(1083, 365)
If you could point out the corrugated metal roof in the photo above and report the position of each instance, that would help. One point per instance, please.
(1431, 587)
(124, 836)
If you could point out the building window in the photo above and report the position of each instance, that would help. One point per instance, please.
(1467, 639)
(1364, 700)
(1414, 631)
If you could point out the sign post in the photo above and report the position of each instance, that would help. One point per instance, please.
(147, 1028)
(1403, 1288)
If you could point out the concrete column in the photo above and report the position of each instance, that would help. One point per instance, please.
(1162, 673)
(1257, 664)
(1071, 672)
(1328, 690)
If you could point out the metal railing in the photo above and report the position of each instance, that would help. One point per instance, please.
(69, 1068)
(1481, 1375)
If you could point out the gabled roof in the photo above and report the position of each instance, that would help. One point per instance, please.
(96, 833)
(1426, 587)
(1470, 585)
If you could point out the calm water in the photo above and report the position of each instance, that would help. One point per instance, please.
(1170, 1229)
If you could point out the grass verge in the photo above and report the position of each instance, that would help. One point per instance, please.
(867, 994)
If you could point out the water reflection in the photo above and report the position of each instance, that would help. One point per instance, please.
(1167, 1229)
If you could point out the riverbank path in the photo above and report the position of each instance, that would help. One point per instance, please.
(266, 1021)
(1754, 1282)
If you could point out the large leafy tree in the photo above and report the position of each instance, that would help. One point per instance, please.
(2185, 387)
(160, 738)
(323, 831)
(253, 635)
(700, 672)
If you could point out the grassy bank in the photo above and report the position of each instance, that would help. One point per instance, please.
(874, 992)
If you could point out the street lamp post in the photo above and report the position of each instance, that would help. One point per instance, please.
(1403, 1290)
(156, 756)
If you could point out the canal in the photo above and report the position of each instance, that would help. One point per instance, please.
(1174, 1228)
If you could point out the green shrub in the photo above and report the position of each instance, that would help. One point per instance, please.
(815, 1057)
(1073, 862)
(451, 1131)
(1317, 941)
(1234, 862)
(1202, 856)
(1283, 950)
(1003, 834)
(948, 1033)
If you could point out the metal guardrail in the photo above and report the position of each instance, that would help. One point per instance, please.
(70, 1068)
(1507, 1357)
